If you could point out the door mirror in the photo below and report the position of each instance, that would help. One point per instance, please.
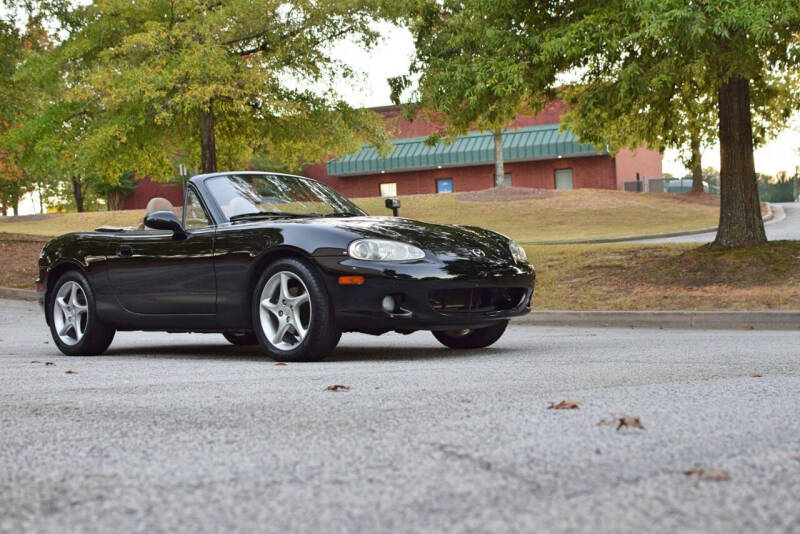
(166, 220)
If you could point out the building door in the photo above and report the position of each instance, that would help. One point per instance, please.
(564, 179)
(507, 179)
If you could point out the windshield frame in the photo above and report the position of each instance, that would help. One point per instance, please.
(222, 217)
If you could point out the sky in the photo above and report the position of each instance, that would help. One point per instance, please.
(393, 56)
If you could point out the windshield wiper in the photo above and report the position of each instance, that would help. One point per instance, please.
(270, 214)
(343, 214)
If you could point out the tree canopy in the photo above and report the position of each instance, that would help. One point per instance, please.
(649, 72)
(141, 86)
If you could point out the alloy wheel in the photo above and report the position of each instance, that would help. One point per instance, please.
(285, 310)
(70, 313)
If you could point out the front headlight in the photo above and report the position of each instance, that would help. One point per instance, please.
(383, 250)
(517, 252)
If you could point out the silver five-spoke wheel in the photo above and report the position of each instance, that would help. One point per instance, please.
(70, 313)
(285, 310)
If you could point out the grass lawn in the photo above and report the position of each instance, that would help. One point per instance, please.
(558, 215)
(666, 277)
(62, 223)
(563, 215)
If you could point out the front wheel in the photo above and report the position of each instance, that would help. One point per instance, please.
(293, 317)
(74, 324)
(471, 338)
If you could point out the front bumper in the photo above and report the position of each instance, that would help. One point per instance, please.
(359, 307)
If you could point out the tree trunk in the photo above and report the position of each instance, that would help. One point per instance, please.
(697, 167)
(740, 222)
(16, 206)
(499, 173)
(4, 209)
(77, 192)
(208, 144)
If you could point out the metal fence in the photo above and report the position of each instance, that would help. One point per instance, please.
(665, 185)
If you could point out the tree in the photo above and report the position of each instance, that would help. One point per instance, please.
(746, 52)
(471, 74)
(680, 117)
(223, 80)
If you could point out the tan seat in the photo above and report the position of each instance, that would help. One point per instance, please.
(157, 204)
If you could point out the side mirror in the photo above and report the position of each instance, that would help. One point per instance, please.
(393, 204)
(166, 220)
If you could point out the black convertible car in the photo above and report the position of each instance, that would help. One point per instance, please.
(281, 261)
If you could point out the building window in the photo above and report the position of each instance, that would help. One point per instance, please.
(444, 185)
(389, 190)
(563, 178)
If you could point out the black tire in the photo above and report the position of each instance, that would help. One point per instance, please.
(471, 339)
(96, 337)
(322, 334)
(242, 339)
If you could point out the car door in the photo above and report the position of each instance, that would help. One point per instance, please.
(152, 273)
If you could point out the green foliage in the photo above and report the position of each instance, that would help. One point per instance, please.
(472, 64)
(125, 86)
(651, 71)
(781, 188)
(145, 71)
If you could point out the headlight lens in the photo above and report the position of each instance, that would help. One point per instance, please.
(383, 250)
(517, 252)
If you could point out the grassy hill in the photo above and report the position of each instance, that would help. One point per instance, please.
(545, 216)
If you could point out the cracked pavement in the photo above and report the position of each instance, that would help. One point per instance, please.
(187, 433)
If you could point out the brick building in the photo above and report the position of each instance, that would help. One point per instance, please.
(536, 154)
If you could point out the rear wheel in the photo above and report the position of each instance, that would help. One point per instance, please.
(293, 318)
(471, 338)
(74, 325)
(242, 339)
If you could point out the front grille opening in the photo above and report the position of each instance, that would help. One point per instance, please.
(476, 300)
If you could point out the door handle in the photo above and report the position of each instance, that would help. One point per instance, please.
(124, 252)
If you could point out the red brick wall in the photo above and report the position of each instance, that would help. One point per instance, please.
(646, 162)
(596, 172)
(401, 128)
(147, 189)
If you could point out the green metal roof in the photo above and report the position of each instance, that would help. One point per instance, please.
(529, 143)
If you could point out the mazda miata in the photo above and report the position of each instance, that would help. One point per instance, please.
(283, 262)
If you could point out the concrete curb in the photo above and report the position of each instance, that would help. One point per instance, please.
(18, 294)
(753, 320)
(768, 218)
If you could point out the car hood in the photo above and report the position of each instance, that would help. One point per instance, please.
(443, 240)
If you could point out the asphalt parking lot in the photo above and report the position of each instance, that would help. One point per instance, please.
(186, 433)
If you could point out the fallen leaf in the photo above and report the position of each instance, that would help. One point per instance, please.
(35, 361)
(338, 387)
(464, 400)
(628, 421)
(46, 342)
(795, 457)
(565, 405)
(757, 375)
(70, 372)
(49, 363)
(710, 474)
(622, 420)
(280, 363)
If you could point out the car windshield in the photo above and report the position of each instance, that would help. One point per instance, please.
(244, 196)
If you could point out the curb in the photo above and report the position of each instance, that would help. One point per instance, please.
(18, 294)
(751, 320)
(768, 218)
